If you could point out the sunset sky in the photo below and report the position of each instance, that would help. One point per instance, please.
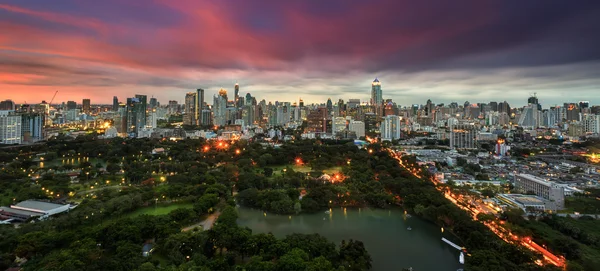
(475, 50)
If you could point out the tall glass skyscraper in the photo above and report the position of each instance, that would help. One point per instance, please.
(376, 96)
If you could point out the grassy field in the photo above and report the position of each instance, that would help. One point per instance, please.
(160, 209)
(304, 169)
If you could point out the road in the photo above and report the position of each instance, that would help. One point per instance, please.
(206, 224)
(462, 202)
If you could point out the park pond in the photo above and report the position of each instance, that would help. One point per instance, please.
(385, 233)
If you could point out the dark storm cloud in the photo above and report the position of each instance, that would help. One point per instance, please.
(312, 48)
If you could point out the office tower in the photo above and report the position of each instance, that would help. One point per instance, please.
(301, 103)
(248, 100)
(376, 95)
(86, 106)
(135, 116)
(493, 106)
(189, 118)
(317, 121)
(390, 128)
(71, 105)
(32, 127)
(236, 94)
(153, 102)
(534, 100)
(353, 103)
(504, 107)
(329, 106)
(591, 124)
(501, 148)
(10, 127)
(248, 114)
(357, 127)
(143, 103)
(338, 124)
(370, 120)
(199, 106)
(572, 112)
(429, 108)
(151, 119)
(7, 105)
(341, 108)
(207, 116)
(220, 108)
(115, 106)
(173, 107)
(462, 136)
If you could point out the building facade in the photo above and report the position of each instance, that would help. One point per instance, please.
(551, 191)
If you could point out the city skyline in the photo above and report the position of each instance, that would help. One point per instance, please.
(477, 52)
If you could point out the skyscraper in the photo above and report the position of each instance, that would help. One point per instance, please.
(153, 102)
(220, 108)
(199, 107)
(189, 118)
(329, 106)
(115, 106)
(376, 95)
(7, 105)
(32, 127)
(143, 100)
(10, 127)
(135, 116)
(237, 94)
(71, 105)
(390, 128)
(86, 106)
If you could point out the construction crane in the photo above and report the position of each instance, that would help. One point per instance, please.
(53, 98)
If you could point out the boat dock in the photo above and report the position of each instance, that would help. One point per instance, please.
(452, 244)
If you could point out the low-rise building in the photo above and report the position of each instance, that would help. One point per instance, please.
(28, 209)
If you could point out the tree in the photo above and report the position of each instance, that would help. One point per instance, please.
(294, 260)
(354, 256)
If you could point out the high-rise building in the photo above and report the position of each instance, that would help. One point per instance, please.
(115, 106)
(329, 106)
(220, 108)
(199, 106)
(189, 118)
(10, 127)
(462, 136)
(591, 124)
(357, 127)
(530, 116)
(153, 102)
(71, 105)
(353, 103)
(7, 105)
(86, 106)
(493, 106)
(534, 100)
(390, 128)
(376, 95)
(173, 107)
(32, 127)
(143, 104)
(301, 103)
(237, 94)
(134, 117)
(429, 108)
(338, 124)
(317, 121)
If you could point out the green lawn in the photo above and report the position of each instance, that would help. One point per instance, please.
(304, 169)
(160, 209)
